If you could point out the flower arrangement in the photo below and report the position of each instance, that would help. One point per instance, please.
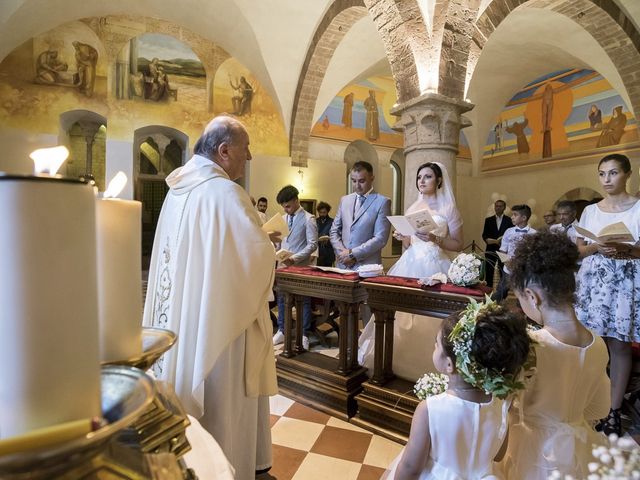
(465, 270)
(621, 459)
(430, 384)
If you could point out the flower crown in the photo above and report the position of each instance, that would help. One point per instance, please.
(491, 381)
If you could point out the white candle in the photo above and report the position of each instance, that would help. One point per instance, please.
(49, 358)
(118, 232)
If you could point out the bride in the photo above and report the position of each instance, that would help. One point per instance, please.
(414, 335)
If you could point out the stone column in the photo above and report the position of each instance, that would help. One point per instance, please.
(431, 124)
(162, 142)
(89, 130)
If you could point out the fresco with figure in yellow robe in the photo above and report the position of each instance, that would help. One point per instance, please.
(150, 78)
(236, 91)
(562, 113)
(360, 111)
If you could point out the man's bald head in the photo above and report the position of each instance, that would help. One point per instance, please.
(225, 141)
(222, 129)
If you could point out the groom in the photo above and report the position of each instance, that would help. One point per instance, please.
(361, 229)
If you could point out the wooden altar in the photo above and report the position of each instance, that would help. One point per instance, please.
(326, 383)
(384, 406)
(341, 386)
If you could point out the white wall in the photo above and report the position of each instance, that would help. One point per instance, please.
(17, 145)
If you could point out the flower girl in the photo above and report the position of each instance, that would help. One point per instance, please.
(569, 386)
(458, 433)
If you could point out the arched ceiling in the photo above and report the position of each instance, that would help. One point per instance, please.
(360, 49)
(529, 43)
(272, 37)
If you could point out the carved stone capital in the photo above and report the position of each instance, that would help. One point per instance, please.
(431, 121)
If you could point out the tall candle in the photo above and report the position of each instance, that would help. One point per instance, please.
(49, 358)
(118, 231)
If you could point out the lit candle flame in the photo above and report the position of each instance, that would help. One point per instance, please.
(116, 185)
(49, 160)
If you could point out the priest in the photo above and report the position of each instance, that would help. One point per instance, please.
(210, 279)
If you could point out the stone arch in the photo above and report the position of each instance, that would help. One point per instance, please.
(84, 133)
(150, 188)
(408, 43)
(339, 18)
(604, 21)
(581, 196)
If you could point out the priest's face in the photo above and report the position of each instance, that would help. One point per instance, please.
(238, 154)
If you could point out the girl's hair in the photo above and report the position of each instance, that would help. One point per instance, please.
(620, 159)
(435, 168)
(500, 342)
(548, 261)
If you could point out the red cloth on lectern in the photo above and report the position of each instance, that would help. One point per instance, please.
(314, 272)
(477, 291)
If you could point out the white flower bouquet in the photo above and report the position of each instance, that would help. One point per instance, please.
(430, 384)
(465, 270)
(621, 459)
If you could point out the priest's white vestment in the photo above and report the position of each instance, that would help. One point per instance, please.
(210, 278)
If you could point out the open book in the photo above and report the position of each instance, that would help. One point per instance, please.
(276, 224)
(504, 258)
(420, 222)
(342, 271)
(282, 255)
(616, 232)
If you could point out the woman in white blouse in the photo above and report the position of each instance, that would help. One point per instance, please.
(608, 297)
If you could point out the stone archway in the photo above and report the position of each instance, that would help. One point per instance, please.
(340, 17)
(157, 150)
(604, 21)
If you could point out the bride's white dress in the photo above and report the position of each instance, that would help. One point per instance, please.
(414, 335)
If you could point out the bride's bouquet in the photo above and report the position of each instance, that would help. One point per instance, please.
(465, 270)
(430, 384)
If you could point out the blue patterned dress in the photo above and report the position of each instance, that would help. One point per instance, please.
(608, 295)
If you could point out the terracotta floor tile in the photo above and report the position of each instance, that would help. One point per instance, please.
(302, 412)
(273, 419)
(286, 462)
(343, 444)
(336, 422)
(367, 472)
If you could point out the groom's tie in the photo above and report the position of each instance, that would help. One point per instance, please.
(359, 202)
(290, 222)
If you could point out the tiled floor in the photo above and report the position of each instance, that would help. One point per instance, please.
(309, 445)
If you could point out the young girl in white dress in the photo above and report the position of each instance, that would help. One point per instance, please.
(569, 387)
(424, 256)
(457, 434)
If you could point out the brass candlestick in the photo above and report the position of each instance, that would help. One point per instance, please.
(126, 392)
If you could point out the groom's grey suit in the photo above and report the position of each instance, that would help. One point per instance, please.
(365, 232)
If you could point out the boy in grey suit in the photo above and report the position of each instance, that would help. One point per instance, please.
(303, 242)
(361, 229)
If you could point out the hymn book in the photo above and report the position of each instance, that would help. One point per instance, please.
(616, 232)
(341, 271)
(412, 223)
(276, 224)
(282, 255)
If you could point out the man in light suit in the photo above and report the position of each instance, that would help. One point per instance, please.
(303, 242)
(361, 229)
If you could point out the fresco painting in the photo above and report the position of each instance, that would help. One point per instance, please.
(236, 91)
(561, 113)
(360, 112)
(154, 79)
